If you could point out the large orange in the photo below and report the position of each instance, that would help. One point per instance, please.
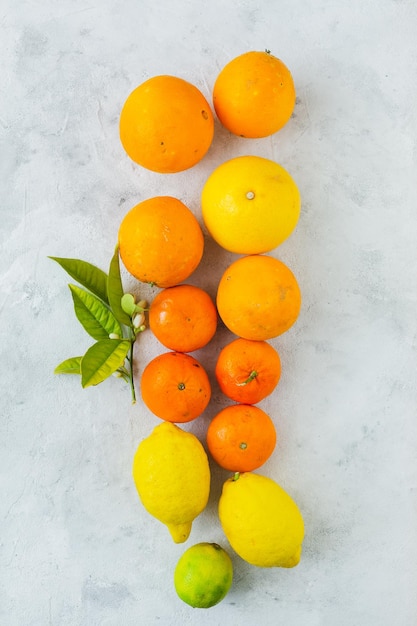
(248, 371)
(166, 124)
(175, 387)
(241, 438)
(183, 318)
(161, 241)
(254, 95)
(250, 204)
(258, 297)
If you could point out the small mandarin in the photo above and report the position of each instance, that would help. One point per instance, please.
(248, 371)
(241, 438)
(175, 387)
(183, 318)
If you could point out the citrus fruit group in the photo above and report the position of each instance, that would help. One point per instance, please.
(183, 318)
(175, 387)
(166, 124)
(261, 521)
(172, 477)
(250, 204)
(203, 575)
(241, 437)
(254, 95)
(248, 371)
(258, 297)
(160, 241)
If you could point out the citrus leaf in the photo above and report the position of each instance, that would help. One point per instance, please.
(102, 359)
(115, 290)
(69, 366)
(88, 275)
(93, 314)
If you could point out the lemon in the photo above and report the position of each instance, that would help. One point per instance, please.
(250, 205)
(261, 521)
(203, 575)
(172, 476)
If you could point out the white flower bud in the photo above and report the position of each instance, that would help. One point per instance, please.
(138, 320)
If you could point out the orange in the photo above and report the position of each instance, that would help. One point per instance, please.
(250, 205)
(166, 125)
(160, 241)
(183, 318)
(241, 438)
(258, 297)
(175, 387)
(254, 95)
(248, 371)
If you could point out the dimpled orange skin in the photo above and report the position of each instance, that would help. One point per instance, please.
(248, 371)
(258, 297)
(166, 125)
(183, 318)
(161, 241)
(254, 95)
(175, 387)
(241, 438)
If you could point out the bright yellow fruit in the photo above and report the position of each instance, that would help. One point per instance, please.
(203, 575)
(172, 476)
(261, 521)
(250, 205)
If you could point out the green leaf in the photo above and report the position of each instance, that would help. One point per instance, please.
(88, 275)
(115, 290)
(102, 359)
(93, 314)
(69, 366)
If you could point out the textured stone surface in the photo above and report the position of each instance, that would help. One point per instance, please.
(76, 547)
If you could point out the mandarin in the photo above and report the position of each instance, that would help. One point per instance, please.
(248, 371)
(161, 241)
(175, 387)
(258, 297)
(166, 125)
(183, 318)
(254, 95)
(241, 437)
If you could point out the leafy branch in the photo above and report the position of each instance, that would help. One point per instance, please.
(110, 316)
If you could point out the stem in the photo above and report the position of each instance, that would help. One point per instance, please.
(132, 384)
(130, 359)
(251, 377)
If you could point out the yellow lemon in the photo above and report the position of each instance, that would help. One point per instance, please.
(203, 575)
(250, 205)
(261, 521)
(172, 476)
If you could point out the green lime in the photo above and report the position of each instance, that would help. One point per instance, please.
(203, 575)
